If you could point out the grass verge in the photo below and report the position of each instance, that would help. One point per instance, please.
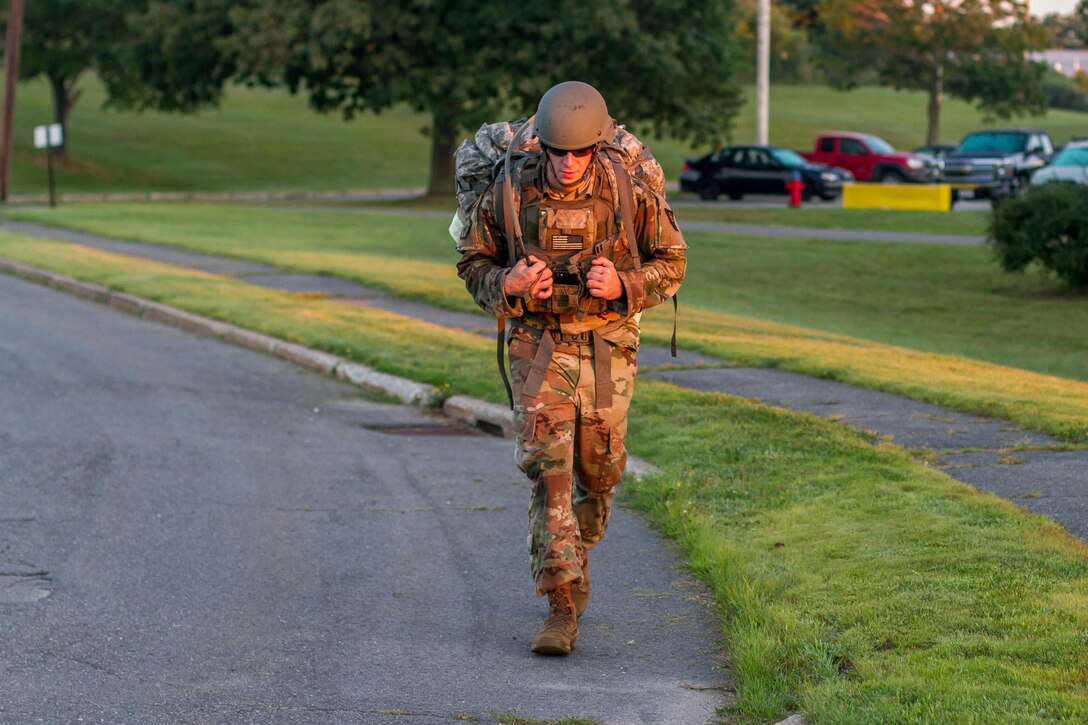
(380, 339)
(937, 323)
(855, 585)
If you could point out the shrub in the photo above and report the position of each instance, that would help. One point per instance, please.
(1065, 96)
(1049, 225)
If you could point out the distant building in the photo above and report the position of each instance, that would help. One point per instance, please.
(1066, 62)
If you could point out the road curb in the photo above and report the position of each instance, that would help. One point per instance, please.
(493, 418)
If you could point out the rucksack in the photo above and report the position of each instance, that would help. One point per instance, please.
(478, 160)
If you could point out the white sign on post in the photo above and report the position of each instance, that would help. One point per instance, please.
(48, 136)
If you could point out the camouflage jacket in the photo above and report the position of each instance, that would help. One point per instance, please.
(486, 257)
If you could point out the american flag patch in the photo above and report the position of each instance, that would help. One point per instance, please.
(566, 242)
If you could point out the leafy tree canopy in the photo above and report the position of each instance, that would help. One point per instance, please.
(665, 63)
(172, 58)
(63, 38)
(1080, 21)
(1063, 31)
(975, 50)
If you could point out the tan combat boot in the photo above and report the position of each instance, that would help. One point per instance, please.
(580, 589)
(560, 630)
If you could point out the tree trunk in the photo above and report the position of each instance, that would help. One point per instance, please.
(65, 95)
(933, 115)
(12, 48)
(443, 146)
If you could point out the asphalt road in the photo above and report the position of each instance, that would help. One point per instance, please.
(191, 532)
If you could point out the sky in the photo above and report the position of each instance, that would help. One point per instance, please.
(1045, 7)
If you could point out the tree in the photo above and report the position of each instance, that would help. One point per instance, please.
(1062, 31)
(1080, 21)
(667, 64)
(64, 38)
(788, 37)
(975, 50)
(172, 58)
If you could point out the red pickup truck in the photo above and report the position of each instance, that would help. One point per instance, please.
(871, 158)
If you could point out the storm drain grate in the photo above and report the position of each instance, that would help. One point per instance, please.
(425, 430)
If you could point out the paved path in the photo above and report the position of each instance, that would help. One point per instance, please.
(973, 449)
(193, 532)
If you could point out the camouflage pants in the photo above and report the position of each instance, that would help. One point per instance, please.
(571, 450)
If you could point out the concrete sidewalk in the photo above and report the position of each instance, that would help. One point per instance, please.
(989, 454)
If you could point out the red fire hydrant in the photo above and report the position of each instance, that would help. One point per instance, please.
(795, 187)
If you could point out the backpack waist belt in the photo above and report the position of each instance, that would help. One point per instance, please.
(602, 363)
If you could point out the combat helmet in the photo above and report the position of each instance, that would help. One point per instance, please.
(573, 115)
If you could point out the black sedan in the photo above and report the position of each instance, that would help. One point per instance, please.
(739, 170)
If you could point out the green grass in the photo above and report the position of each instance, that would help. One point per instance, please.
(258, 140)
(269, 140)
(938, 298)
(855, 584)
(888, 220)
(931, 322)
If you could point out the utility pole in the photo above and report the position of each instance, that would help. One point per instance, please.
(12, 46)
(763, 71)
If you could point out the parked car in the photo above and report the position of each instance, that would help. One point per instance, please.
(1070, 166)
(871, 158)
(993, 164)
(739, 170)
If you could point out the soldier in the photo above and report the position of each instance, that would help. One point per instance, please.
(572, 294)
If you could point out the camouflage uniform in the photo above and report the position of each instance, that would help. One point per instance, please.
(571, 416)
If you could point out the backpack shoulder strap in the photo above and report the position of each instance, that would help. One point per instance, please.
(507, 207)
(625, 199)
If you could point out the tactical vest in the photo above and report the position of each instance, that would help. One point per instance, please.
(569, 234)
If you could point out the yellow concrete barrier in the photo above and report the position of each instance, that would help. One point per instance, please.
(923, 197)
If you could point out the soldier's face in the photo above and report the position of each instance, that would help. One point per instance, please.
(568, 167)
